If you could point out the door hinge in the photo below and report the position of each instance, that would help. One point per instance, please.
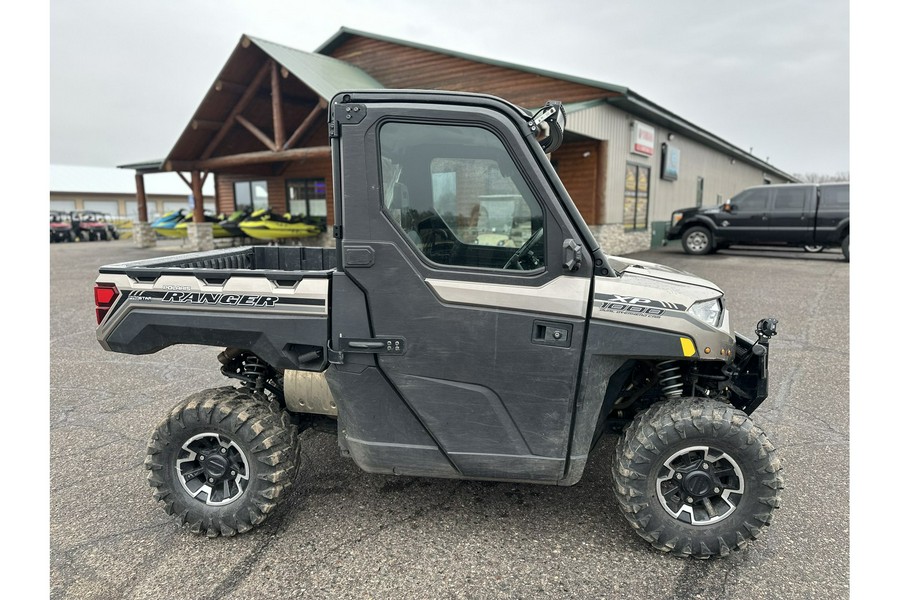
(338, 232)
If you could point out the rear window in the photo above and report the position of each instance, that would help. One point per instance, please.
(835, 196)
(789, 199)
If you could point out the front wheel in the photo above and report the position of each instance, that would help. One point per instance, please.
(845, 248)
(222, 461)
(696, 477)
(697, 240)
(814, 248)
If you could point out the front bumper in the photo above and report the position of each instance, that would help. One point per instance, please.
(750, 375)
(673, 233)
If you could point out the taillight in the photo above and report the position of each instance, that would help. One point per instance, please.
(105, 295)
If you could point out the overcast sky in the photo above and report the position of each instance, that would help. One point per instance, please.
(126, 76)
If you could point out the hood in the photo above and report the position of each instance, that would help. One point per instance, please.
(641, 272)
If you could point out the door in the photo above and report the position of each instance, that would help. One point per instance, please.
(746, 221)
(791, 215)
(637, 197)
(456, 240)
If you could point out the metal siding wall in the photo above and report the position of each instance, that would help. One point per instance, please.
(608, 123)
(720, 176)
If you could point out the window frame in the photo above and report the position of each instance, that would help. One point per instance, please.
(546, 213)
(646, 225)
(250, 182)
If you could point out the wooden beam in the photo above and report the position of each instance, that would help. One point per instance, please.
(240, 88)
(249, 158)
(238, 109)
(197, 189)
(304, 127)
(141, 198)
(229, 86)
(184, 179)
(203, 124)
(277, 117)
(256, 132)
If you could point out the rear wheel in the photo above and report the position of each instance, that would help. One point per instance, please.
(222, 461)
(813, 248)
(845, 247)
(696, 477)
(697, 240)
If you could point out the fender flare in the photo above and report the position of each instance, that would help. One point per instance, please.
(703, 221)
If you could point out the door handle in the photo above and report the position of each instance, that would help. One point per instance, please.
(551, 333)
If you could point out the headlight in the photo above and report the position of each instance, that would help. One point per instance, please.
(676, 216)
(708, 311)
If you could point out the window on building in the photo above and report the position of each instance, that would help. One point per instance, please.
(252, 195)
(699, 191)
(458, 197)
(107, 207)
(62, 205)
(637, 197)
(306, 198)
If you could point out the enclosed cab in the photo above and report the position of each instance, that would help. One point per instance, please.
(471, 327)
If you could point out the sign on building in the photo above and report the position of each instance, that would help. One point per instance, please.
(643, 139)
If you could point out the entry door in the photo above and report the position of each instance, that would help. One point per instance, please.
(459, 249)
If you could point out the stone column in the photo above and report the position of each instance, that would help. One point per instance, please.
(144, 236)
(200, 236)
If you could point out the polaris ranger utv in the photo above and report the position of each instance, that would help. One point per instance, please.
(440, 341)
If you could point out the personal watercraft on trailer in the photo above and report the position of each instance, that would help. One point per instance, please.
(208, 216)
(165, 225)
(231, 225)
(263, 224)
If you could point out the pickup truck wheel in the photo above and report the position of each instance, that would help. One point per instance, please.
(845, 248)
(222, 461)
(813, 248)
(697, 240)
(695, 477)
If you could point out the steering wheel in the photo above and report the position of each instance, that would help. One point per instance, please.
(514, 260)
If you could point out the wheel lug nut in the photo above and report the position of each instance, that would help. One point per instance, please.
(705, 466)
(717, 490)
(224, 450)
(233, 473)
(210, 480)
(202, 457)
(677, 475)
(690, 499)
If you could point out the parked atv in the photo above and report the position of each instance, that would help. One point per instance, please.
(61, 227)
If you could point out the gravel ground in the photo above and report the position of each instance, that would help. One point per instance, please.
(344, 533)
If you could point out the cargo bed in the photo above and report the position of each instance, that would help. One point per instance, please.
(270, 300)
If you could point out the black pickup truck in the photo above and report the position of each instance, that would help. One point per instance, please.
(810, 216)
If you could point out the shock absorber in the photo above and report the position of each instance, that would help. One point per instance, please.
(255, 370)
(670, 379)
(244, 366)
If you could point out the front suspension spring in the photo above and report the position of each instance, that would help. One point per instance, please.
(670, 379)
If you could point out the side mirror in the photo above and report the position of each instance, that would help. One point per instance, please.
(550, 124)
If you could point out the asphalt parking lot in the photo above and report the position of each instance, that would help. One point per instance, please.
(344, 533)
